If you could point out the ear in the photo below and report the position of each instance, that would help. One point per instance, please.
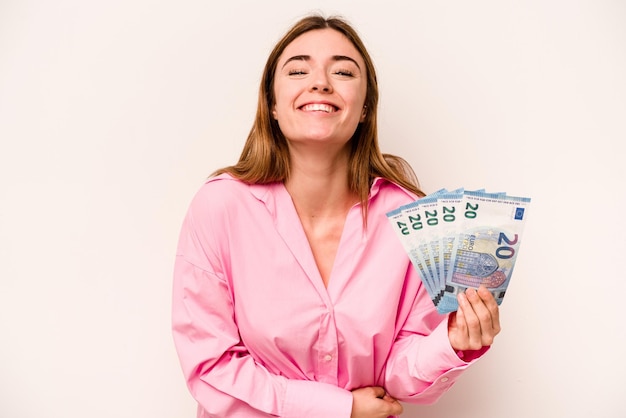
(363, 114)
(274, 114)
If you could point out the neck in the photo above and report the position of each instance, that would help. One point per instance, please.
(318, 185)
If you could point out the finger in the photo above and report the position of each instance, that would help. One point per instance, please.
(379, 392)
(388, 398)
(396, 408)
(484, 315)
(467, 301)
(493, 307)
(391, 406)
(458, 320)
(458, 330)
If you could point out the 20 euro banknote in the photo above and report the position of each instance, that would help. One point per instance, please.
(467, 239)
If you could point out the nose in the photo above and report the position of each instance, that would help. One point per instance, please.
(325, 89)
(321, 83)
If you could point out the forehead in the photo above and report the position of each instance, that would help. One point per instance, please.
(320, 44)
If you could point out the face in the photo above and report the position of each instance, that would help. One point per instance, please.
(320, 87)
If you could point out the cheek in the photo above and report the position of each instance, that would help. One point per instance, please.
(357, 97)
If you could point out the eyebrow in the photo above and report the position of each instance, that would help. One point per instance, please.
(334, 58)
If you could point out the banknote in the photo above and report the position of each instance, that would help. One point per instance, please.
(463, 239)
(407, 222)
(486, 246)
(421, 236)
(403, 224)
(449, 210)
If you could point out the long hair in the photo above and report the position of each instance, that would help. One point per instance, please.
(265, 155)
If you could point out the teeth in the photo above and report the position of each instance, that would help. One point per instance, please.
(318, 107)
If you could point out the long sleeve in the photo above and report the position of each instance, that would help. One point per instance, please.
(259, 335)
(220, 372)
(422, 365)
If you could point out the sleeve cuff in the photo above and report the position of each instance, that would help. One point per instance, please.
(437, 355)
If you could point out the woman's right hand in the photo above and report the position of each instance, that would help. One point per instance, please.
(373, 402)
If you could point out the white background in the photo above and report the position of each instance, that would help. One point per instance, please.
(112, 113)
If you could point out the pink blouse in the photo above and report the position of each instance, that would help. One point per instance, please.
(257, 332)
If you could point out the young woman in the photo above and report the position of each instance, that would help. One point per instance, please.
(292, 295)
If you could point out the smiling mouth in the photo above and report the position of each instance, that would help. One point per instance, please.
(318, 107)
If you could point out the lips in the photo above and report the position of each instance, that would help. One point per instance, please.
(318, 107)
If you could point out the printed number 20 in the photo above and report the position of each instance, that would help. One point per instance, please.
(505, 251)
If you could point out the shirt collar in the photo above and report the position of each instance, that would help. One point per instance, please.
(376, 185)
(261, 191)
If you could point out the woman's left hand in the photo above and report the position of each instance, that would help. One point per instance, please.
(477, 321)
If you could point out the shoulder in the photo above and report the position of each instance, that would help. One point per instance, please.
(216, 210)
(223, 185)
(227, 189)
(224, 194)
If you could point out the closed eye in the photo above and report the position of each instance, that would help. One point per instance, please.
(345, 73)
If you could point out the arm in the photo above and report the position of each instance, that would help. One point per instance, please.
(423, 363)
(221, 374)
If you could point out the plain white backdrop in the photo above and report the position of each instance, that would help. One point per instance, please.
(113, 113)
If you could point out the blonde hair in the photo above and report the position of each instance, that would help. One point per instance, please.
(265, 155)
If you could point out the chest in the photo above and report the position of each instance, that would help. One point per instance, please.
(282, 274)
(284, 311)
(324, 237)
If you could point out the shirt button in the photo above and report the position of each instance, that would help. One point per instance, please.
(443, 380)
(328, 357)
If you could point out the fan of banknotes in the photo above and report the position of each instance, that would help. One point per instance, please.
(462, 239)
